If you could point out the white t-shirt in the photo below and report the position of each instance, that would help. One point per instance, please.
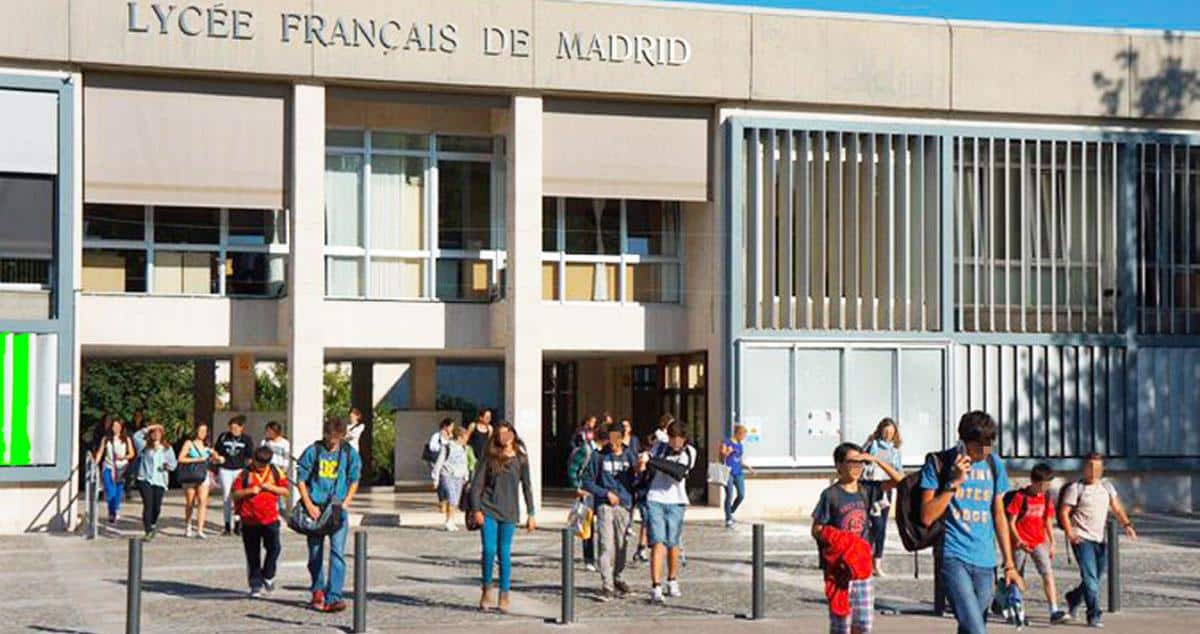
(1090, 512)
(663, 488)
(353, 433)
(281, 450)
(435, 442)
(661, 435)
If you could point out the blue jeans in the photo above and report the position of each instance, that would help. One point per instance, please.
(666, 523)
(969, 589)
(337, 562)
(497, 538)
(114, 492)
(1093, 559)
(879, 525)
(736, 483)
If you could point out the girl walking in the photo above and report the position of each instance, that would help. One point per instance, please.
(451, 470)
(884, 444)
(196, 451)
(156, 459)
(114, 454)
(481, 432)
(501, 475)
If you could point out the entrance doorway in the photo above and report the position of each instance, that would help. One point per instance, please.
(684, 393)
(559, 383)
(646, 401)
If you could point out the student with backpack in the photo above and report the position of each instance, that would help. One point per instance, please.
(611, 479)
(583, 446)
(1030, 523)
(114, 453)
(667, 501)
(235, 448)
(256, 494)
(963, 488)
(501, 475)
(841, 519)
(1083, 508)
(328, 473)
(450, 472)
(884, 444)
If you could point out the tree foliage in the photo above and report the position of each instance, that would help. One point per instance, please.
(162, 390)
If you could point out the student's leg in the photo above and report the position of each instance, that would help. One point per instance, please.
(337, 560)
(1091, 565)
(729, 488)
(657, 534)
(316, 563)
(202, 505)
(1045, 568)
(739, 483)
(878, 533)
(110, 491)
(959, 584)
(621, 519)
(252, 543)
(272, 546)
(488, 538)
(189, 499)
(862, 606)
(119, 486)
(985, 589)
(504, 540)
(227, 477)
(674, 539)
(607, 545)
(147, 494)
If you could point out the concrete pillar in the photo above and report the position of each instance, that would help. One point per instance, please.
(423, 381)
(523, 297)
(306, 269)
(718, 372)
(362, 389)
(204, 391)
(241, 383)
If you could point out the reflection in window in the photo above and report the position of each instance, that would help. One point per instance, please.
(464, 205)
(26, 243)
(187, 225)
(114, 271)
(593, 226)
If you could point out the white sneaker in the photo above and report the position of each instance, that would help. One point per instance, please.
(268, 585)
(673, 588)
(200, 535)
(188, 532)
(590, 567)
(656, 595)
(450, 527)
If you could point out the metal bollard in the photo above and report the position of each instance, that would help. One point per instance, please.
(916, 566)
(91, 530)
(758, 609)
(939, 590)
(133, 588)
(568, 577)
(1114, 566)
(360, 581)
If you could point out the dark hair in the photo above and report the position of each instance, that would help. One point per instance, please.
(878, 435)
(496, 460)
(237, 420)
(665, 421)
(354, 411)
(1095, 455)
(977, 426)
(839, 454)
(334, 426)
(108, 433)
(195, 435)
(263, 455)
(1041, 472)
(275, 427)
(677, 430)
(446, 422)
(614, 428)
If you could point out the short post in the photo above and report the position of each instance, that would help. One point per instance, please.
(916, 566)
(758, 608)
(939, 591)
(1114, 567)
(90, 531)
(133, 588)
(568, 577)
(360, 581)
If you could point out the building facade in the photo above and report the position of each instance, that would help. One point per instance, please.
(801, 222)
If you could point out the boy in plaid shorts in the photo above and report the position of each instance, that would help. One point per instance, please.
(846, 506)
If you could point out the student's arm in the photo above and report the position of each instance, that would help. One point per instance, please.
(935, 501)
(1066, 506)
(1011, 520)
(896, 476)
(169, 461)
(437, 466)
(527, 489)
(354, 474)
(820, 516)
(184, 451)
(304, 469)
(1118, 509)
(726, 450)
(1004, 539)
(139, 439)
(241, 492)
(1049, 517)
(98, 454)
(588, 482)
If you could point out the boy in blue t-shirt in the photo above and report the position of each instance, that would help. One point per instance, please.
(969, 495)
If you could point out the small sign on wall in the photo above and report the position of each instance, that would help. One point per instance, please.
(753, 431)
(824, 423)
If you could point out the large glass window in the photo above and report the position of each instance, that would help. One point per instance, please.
(611, 250)
(386, 195)
(184, 250)
(27, 212)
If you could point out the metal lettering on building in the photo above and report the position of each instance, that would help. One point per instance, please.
(218, 21)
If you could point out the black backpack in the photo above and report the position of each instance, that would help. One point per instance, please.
(430, 455)
(913, 533)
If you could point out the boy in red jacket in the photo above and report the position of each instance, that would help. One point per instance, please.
(846, 506)
(1029, 523)
(256, 494)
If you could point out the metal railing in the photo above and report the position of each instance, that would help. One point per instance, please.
(91, 490)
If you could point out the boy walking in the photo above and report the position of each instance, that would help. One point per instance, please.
(236, 449)
(1030, 523)
(844, 507)
(1082, 513)
(610, 481)
(257, 492)
(328, 473)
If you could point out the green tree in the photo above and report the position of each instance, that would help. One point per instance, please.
(270, 389)
(162, 390)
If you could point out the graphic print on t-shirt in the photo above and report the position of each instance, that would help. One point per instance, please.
(845, 510)
(327, 468)
(969, 532)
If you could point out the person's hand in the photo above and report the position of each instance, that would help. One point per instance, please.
(580, 494)
(313, 511)
(1012, 576)
(613, 499)
(1130, 533)
(256, 490)
(531, 524)
(868, 457)
(962, 465)
(479, 518)
(1075, 539)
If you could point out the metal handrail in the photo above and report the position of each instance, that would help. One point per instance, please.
(91, 484)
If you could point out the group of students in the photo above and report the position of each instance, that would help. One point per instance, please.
(965, 489)
(257, 487)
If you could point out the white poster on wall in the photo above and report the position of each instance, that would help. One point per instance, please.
(753, 430)
(824, 423)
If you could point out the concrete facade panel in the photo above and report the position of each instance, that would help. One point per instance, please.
(717, 60)
(169, 321)
(613, 327)
(1163, 80)
(408, 325)
(184, 37)
(1044, 72)
(35, 29)
(834, 61)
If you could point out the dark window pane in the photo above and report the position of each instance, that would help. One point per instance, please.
(256, 227)
(469, 280)
(549, 224)
(464, 205)
(399, 141)
(114, 271)
(653, 227)
(27, 217)
(114, 222)
(255, 274)
(187, 225)
(593, 226)
(467, 144)
(344, 138)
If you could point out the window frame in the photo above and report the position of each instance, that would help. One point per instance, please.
(52, 266)
(432, 252)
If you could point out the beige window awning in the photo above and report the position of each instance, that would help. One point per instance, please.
(184, 142)
(621, 150)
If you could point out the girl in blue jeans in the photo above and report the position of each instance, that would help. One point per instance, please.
(731, 452)
(501, 475)
(114, 455)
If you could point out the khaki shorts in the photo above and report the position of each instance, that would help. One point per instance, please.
(1040, 556)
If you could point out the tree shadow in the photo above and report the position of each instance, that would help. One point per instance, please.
(1164, 93)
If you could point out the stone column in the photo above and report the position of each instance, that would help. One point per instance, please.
(241, 383)
(362, 387)
(423, 382)
(523, 296)
(306, 270)
(204, 391)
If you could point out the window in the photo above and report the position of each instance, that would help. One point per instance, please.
(27, 238)
(411, 216)
(611, 250)
(184, 250)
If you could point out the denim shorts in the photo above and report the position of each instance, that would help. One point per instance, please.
(666, 523)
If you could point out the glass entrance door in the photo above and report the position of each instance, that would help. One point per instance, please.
(684, 381)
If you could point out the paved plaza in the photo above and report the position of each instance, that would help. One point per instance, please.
(420, 577)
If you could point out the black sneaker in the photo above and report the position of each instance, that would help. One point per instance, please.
(605, 595)
(1059, 617)
(237, 529)
(226, 532)
(1073, 602)
(621, 587)
(1095, 623)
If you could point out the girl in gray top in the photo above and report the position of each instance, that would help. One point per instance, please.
(494, 489)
